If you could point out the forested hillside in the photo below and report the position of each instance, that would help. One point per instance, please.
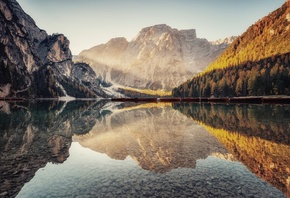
(256, 63)
(270, 76)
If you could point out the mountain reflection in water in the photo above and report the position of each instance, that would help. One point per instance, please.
(257, 135)
(33, 134)
(157, 137)
(176, 156)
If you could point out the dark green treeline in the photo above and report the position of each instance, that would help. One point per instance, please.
(270, 76)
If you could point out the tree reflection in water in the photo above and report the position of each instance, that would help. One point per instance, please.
(155, 136)
(257, 135)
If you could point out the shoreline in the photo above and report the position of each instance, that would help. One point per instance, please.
(234, 100)
(250, 100)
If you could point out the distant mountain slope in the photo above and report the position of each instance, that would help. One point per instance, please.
(267, 37)
(159, 57)
(256, 63)
(33, 63)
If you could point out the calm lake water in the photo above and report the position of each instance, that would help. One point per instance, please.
(103, 149)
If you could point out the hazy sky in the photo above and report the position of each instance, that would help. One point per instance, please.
(87, 23)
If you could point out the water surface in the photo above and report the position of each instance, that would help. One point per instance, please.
(102, 149)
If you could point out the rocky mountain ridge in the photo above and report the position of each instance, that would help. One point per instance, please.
(159, 57)
(33, 63)
(226, 41)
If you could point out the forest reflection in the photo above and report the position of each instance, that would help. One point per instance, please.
(157, 137)
(257, 135)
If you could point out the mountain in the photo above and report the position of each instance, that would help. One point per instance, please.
(256, 63)
(159, 57)
(33, 63)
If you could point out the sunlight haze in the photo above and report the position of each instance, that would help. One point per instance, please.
(92, 22)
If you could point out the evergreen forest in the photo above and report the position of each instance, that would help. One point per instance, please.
(269, 76)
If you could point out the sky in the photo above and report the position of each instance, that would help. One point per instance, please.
(87, 23)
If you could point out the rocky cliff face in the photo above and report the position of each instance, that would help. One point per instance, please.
(33, 63)
(159, 57)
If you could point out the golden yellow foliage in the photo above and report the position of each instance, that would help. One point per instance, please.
(159, 92)
(268, 37)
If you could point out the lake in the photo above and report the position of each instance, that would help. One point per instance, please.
(104, 149)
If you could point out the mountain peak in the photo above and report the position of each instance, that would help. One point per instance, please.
(158, 27)
(119, 43)
(227, 40)
(156, 31)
